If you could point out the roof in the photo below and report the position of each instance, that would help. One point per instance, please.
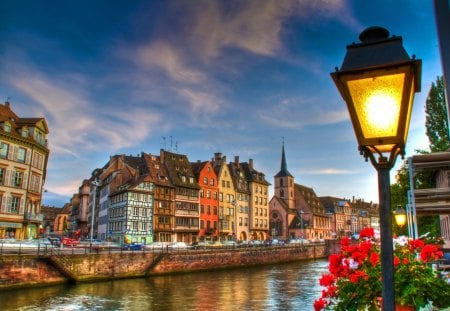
(283, 170)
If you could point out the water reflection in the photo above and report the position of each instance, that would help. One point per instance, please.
(292, 286)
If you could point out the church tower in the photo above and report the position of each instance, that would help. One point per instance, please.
(284, 183)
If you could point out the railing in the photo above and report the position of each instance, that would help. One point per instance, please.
(46, 250)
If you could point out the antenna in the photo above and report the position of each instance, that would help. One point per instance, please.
(176, 146)
(164, 140)
(171, 143)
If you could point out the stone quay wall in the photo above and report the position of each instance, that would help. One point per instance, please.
(18, 271)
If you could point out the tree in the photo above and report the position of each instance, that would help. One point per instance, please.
(436, 122)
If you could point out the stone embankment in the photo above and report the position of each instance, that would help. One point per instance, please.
(55, 268)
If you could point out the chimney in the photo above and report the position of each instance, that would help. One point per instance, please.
(161, 155)
(7, 103)
(250, 164)
(236, 160)
(217, 156)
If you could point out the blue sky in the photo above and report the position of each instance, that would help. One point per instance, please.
(199, 77)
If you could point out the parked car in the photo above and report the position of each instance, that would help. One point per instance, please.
(299, 241)
(55, 241)
(133, 247)
(179, 245)
(69, 242)
(156, 245)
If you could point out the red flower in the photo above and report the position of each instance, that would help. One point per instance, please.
(327, 280)
(357, 275)
(319, 304)
(367, 233)
(430, 252)
(345, 241)
(374, 259)
(416, 244)
(396, 261)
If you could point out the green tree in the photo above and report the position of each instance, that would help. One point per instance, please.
(436, 122)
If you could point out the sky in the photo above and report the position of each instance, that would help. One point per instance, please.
(200, 77)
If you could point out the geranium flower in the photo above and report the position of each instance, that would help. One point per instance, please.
(354, 281)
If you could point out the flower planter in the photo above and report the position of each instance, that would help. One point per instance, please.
(404, 308)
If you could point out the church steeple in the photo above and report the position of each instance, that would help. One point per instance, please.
(283, 171)
(284, 183)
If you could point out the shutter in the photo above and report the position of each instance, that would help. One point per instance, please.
(22, 205)
(25, 181)
(16, 150)
(11, 182)
(28, 156)
(6, 178)
(8, 204)
(10, 153)
(3, 207)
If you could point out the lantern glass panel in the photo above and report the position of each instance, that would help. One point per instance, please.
(377, 103)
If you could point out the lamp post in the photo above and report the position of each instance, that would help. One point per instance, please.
(301, 223)
(377, 80)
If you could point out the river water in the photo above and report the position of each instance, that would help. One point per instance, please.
(291, 286)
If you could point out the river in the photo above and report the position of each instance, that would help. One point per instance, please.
(291, 286)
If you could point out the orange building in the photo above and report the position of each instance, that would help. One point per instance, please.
(209, 200)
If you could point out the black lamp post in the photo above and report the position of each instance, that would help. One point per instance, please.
(377, 80)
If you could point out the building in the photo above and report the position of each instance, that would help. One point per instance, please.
(23, 164)
(295, 210)
(259, 201)
(61, 224)
(209, 200)
(227, 202)
(187, 190)
(242, 200)
(124, 191)
(50, 213)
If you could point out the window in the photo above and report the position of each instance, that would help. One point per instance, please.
(202, 224)
(35, 181)
(211, 182)
(7, 127)
(14, 205)
(18, 178)
(205, 180)
(136, 211)
(21, 154)
(208, 194)
(4, 150)
(208, 210)
(25, 132)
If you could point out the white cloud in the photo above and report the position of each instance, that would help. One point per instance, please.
(76, 123)
(299, 112)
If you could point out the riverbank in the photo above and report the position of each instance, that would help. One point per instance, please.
(18, 271)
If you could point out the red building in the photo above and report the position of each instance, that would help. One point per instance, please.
(209, 200)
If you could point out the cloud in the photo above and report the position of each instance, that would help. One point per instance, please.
(300, 112)
(67, 104)
(330, 171)
(170, 60)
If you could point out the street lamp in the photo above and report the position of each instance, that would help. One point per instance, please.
(377, 80)
(400, 217)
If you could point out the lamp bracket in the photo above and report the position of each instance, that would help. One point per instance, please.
(370, 152)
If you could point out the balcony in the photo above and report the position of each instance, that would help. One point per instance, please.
(30, 217)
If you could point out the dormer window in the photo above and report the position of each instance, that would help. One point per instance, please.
(7, 127)
(25, 132)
